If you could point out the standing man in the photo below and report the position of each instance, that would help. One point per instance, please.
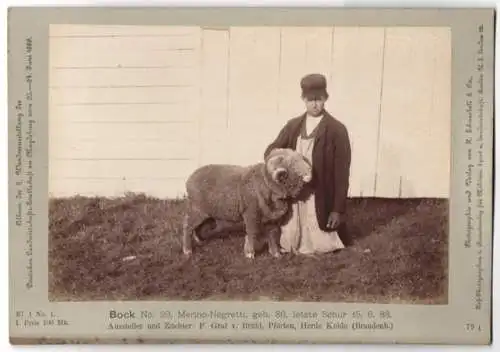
(317, 224)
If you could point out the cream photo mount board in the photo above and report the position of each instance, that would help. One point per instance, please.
(112, 110)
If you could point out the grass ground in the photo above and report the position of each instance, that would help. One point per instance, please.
(129, 248)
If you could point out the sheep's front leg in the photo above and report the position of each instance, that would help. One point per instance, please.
(252, 225)
(274, 211)
(281, 208)
(187, 236)
(273, 234)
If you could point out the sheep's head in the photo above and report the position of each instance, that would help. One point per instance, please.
(288, 169)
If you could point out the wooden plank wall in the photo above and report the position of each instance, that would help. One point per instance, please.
(124, 109)
(138, 108)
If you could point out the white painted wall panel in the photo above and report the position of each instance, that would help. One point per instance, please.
(214, 113)
(123, 168)
(106, 47)
(126, 102)
(72, 53)
(253, 91)
(134, 149)
(116, 77)
(409, 145)
(125, 95)
(124, 109)
(355, 91)
(120, 113)
(84, 30)
(104, 132)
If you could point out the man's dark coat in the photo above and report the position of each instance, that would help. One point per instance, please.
(331, 159)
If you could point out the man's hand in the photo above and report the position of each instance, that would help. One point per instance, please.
(334, 220)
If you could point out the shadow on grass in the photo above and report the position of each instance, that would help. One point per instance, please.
(366, 215)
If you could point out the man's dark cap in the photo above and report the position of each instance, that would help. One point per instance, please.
(313, 86)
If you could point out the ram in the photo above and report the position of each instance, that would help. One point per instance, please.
(257, 196)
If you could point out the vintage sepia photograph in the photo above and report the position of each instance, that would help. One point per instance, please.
(264, 175)
(249, 163)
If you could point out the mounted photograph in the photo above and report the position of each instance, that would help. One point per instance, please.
(249, 163)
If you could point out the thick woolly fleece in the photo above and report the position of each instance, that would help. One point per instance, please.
(253, 195)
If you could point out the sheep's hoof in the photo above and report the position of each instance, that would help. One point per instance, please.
(250, 255)
(276, 255)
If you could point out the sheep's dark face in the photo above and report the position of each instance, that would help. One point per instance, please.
(289, 169)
